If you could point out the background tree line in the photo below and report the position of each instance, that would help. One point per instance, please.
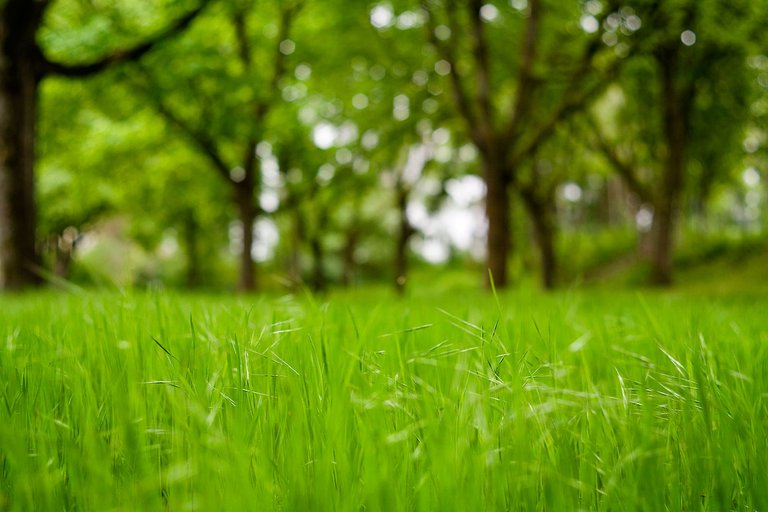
(337, 142)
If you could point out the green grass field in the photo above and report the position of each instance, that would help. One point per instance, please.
(462, 401)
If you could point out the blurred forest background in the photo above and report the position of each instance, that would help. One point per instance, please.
(287, 143)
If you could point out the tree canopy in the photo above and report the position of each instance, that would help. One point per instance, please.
(334, 142)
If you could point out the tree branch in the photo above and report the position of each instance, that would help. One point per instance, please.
(482, 71)
(265, 104)
(287, 17)
(202, 141)
(49, 67)
(574, 97)
(526, 81)
(625, 170)
(447, 52)
(573, 100)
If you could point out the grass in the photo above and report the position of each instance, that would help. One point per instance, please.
(462, 401)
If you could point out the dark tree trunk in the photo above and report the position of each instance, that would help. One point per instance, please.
(246, 214)
(191, 243)
(19, 80)
(318, 263)
(348, 261)
(674, 125)
(544, 231)
(297, 239)
(497, 205)
(404, 233)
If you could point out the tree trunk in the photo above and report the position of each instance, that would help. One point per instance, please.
(246, 214)
(19, 80)
(191, 243)
(297, 239)
(404, 233)
(349, 263)
(497, 204)
(318, 263)
(544, 231)
(674, 115)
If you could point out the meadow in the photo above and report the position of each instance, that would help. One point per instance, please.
(586, 400)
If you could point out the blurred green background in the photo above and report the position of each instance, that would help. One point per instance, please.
(302, 143)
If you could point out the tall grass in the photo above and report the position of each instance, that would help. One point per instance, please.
(362, 402)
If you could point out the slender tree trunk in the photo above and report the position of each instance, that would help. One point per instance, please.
(544, 232)
(497, 205)
(318, 263)
(674, 116)
(246, 214)
(297, 239)
(19, 82)
(191, 239)
(349, 263)
(404, 233)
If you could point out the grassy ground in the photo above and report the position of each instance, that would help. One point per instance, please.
(460, 401)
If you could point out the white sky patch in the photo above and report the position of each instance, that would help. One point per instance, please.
(237, 174)
(270, 172)
(589, 24)
(265, 238)
(751, 143)
(409, 19)
(269, 200)
(571, 192)
(324, 135)
(688, 37)
(460, 223)
(325, 174)
(441, 136)
(264, 149)
(520, 5)
(303, 71)
(360, 101)
(420, 78)
(466, 191)
(633, 22)
(168, 247)
(443, 32)
(751, 177)
(401, 107)
(467, 153)
(287, 47)
(370, 140)
(430, 106)
(347, 133)
(644, 219)
(308, 115)
(593, 7)
(433, 250)
(458, 226)
(295, 92)
(382, 16)
(361, 165)
(344, 156)
(489, 12)
(443, 154)
(442, 67)
(418, 156)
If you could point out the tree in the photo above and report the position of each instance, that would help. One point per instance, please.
(508, 115)
(690, 45)
(213, 105)
(23, 66)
